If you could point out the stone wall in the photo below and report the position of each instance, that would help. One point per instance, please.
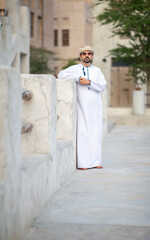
(34, 165)
(14, 36)
(10, 154)
(33, 168)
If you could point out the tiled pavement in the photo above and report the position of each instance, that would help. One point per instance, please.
(104, 204)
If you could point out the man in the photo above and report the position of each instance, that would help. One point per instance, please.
(90, 84)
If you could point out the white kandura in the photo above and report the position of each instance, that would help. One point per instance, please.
(89, 109)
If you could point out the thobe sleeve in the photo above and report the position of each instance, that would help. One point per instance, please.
(69, 73)
(98, 84)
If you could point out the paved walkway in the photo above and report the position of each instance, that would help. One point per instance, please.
(108, 204)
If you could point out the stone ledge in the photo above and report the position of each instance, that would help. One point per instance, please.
(130, 120)
(30, 163)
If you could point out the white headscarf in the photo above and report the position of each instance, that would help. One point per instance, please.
(86, 48)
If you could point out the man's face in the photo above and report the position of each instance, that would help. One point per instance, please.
(86, 56)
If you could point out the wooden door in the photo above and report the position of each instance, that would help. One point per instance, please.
(121, 90)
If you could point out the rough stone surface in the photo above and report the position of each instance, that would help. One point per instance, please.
(48, 169)
(14, 37)
(27, 183)
(66, 97)
(112, 203)
(10, 155)
(41, 112)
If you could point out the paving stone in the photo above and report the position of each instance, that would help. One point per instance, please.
(101, 204)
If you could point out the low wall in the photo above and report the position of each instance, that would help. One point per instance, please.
(66, 126)
(34, 165)
(125, 116)
(48, 161)
(41, 111)
(29, 181)
(10, 154)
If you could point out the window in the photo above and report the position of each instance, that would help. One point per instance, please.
(65, 37)
(120, 63)
(40, 28)
(32, 24)
(55, 38)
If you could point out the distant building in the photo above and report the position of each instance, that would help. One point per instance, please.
(61, 26)
(72, 29)
(119, 90)
(41, 22)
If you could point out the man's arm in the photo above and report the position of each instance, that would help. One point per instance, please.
(68, 73)
(100, 84)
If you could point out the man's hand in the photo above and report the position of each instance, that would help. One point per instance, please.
(84, 81)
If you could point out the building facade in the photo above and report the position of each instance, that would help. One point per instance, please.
(119, 90)
(41, 29)
(61, 26)
(41, 22)
(72, 29)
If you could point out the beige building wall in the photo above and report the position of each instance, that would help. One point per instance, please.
(102, 43)
(48, 12)
(76, 17)
(41, 22)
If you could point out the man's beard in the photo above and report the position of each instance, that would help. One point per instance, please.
(87, 60)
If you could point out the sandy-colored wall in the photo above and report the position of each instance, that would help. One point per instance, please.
(76, 17)
(39, 112)
(102, 43)
(43, 37)
(48, 13)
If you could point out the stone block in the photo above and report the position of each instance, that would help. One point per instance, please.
(138, 102)
(10, 126)
(41, 112)
(66, 105)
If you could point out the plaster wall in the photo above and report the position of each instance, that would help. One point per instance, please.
(66, 126)
(102, 43)
(66, 109)
(47, 170)
(14, 37)
(41, 112)
(10, 154)
(29, 181)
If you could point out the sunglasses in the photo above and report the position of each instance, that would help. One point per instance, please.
(89, 53)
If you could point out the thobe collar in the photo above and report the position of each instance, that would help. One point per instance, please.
(85, 66)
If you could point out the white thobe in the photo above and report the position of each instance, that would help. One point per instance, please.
(89, 113)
